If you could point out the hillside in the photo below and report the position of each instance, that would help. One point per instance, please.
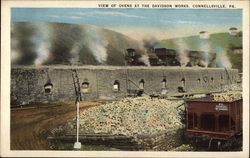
(217, 44)
(222, 40)
(44, 43)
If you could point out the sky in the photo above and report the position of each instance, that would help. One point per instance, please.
(139, 23)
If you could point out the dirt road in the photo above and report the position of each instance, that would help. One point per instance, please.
(29, 126)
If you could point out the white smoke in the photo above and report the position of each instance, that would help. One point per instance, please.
(74, 52)
(42, 43)
(15, 54)
(205, 46)
(205, 63)
(223, 60)
(144, 59)
(43, 54)
(147, 45)
(183, 55)
(97, 43)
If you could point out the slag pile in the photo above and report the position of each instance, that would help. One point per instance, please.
(131, 116)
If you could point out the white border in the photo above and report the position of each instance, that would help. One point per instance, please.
(5, 83)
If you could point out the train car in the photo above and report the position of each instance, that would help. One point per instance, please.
(153, 59)
(132, 58)
(195, 58)
(164, 57)
(213, 121)
(167, 57)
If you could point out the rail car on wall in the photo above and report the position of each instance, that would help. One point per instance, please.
(216, 122)
(195, 58)
(132, 58)
(164, 57)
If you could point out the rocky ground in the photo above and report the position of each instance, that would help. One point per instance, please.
(130, 116)
(143, 115)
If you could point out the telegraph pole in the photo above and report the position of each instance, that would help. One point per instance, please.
(77, 144)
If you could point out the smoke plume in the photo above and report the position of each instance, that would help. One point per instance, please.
(205, 46)
(148, 45)
(150, 42)
(222, 59)
(225, 60)
(97, 43)
(44, 43)
(24, 48)
(182, 51)
(64, 38)
(144, 58)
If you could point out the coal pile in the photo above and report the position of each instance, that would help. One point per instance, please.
(231, 92)
(228, 96)
(130, 117)
(232, 87)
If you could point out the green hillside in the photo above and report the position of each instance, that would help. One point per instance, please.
(218, 43)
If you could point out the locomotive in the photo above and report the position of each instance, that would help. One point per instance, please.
(164, 57)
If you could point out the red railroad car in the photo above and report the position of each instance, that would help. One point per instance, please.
(213, 120)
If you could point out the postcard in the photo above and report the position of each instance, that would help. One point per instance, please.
(125, 79)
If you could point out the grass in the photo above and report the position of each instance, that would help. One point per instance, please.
(217, 43)
(222, 40)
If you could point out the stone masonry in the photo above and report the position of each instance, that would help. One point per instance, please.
(29, 83)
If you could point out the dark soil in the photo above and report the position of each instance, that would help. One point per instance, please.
(31, 124)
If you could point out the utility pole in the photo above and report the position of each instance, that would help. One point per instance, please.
(77, 144)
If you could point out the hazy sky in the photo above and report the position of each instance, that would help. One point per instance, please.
(139, 23)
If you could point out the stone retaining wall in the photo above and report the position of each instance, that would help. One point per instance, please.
(163, 141)
(27, 83)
